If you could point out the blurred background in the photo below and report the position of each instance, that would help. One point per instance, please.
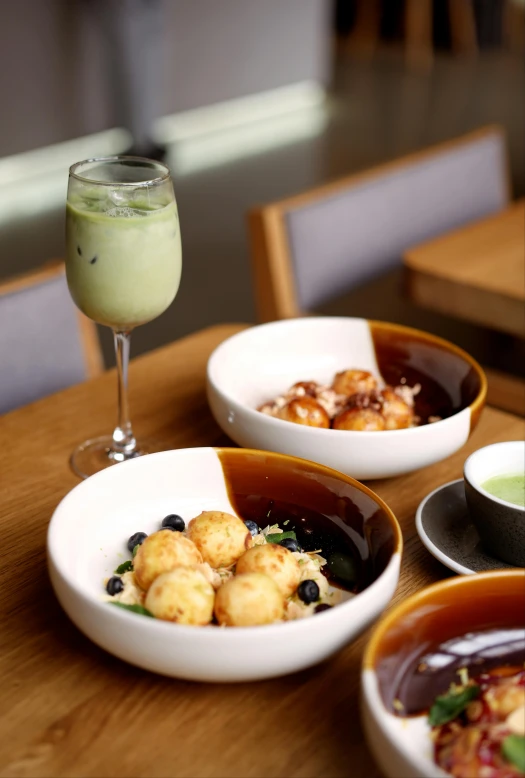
(250, 101)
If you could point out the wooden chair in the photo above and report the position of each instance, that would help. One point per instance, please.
(320, 244)
(46, 344)
(514, 26)
(418, 24)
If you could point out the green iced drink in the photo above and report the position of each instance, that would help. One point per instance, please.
(123, 263)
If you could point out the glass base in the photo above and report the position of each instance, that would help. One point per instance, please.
(97, 454)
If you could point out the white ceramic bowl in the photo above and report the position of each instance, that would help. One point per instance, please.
(260, 363)
(449, 609)
(87, 540)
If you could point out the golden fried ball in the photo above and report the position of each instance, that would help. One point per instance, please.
(354, 382)
(308, 387)
(304, 410)
(161, 552)
(274, 561)
(182, 595)
(397, 413)
(361, 419)
(220, 537)
(248, 600)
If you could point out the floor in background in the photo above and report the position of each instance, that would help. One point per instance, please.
(376, 111)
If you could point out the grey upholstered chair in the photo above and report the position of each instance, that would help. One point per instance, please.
(46, 344)
(319, 244)
(338, 249)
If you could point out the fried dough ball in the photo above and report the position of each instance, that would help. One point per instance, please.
(274, 561)
(506, 698)
(354, 382)
(248, 600)
(308, 387)
(397, 414)
(304, 410)
(220, 537)
(183, 595)
(360, 419)
(161, 552)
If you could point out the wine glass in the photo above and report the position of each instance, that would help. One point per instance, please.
(123, 265)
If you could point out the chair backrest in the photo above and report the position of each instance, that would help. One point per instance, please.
(46, 344)
(319, 244)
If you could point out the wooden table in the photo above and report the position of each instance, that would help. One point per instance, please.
(475, 273)
(70, 709)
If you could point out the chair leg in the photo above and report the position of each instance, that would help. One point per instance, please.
(505, 391)
(418, 33)
(462, 26)
(364, 36)
(514, 27)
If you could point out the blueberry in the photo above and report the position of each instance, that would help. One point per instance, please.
(137, 539)
(114, 585)
(308, 591)
(323, 606)
(174, 522)
(290, 544)
(252, 527)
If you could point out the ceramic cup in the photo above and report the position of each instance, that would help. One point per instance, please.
(501, 524)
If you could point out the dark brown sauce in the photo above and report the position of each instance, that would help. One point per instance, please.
(490, 605)
(430, 674)
(448, 382)
(327, 515)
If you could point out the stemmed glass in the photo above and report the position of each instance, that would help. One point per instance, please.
(123, 265)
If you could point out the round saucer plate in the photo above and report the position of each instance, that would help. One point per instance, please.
(444, 525)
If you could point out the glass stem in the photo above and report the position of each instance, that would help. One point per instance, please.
(124, 442)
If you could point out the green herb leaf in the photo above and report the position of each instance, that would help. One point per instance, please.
(342, 567)
(133, 608)
(278, 536)
(125, 567)
(447, 706)
(135, 549)
(513, 749)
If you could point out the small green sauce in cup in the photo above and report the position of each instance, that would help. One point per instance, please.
(510, 488)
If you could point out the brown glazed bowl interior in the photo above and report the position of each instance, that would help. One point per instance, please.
(279, 488)
(450, 378)
(446, 610)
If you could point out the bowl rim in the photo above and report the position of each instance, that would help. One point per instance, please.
(474, 482)
(404, 607)
(474, 407)
(297, 625)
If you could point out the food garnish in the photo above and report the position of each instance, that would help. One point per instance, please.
(134, 608)
(479, 729)
(174, 522)
(448, 706)
(513, 748)
(135, 540)
(125, 567)
(278, 537)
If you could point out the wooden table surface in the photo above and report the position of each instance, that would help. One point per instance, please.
(475, 273)
(70, 709)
